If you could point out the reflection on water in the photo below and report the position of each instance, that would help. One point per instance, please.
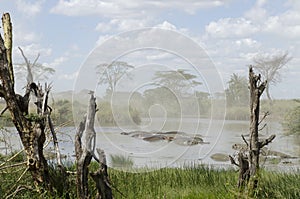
(221, 136)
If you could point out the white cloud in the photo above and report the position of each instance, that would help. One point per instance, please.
(247, 42)
(102, 39)
(29, 8)
(286, 25)
(166, 25)
(58, 61)
(121, 25)
(159, 56)
(256, 14)
(22, 35)
(127, 9)
(31, 51)
(71, 76)
(230, 28)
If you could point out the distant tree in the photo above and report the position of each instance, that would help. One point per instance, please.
(35, 71)
(111, 73)
(178, 81)
(63, 113)
(164, 97)
(237, 92)
(269, 67)
(204, 102)
(292, 120)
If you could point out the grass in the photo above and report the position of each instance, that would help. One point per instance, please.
(120, 161)
(190, 182)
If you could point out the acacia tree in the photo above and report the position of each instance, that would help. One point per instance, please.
(111, 73)
(269, 67)
(178, 81)
(35, 71)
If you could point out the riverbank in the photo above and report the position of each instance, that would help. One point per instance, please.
(189, 182)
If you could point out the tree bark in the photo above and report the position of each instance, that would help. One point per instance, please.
(257, 88)
(31, 130)
(249, 166)
(8, 41)
(101, 178)
(85, 153)
(255, 92)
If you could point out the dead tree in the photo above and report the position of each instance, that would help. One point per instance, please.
(31, 127)
(85, 153)
(256, 90)
(249, 158)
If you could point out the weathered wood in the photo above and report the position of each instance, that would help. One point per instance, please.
(256, 89)
(244, 173)
(101, 178)
(84, 150)
(83, 158)
(249, 166)
(31, 131)
(8, 42)
(29, 77)
(85, 153)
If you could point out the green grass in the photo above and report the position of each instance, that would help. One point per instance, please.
(120, 161)
(193, 182)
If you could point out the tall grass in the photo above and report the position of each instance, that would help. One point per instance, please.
(201, 182)
(189, 182)
(120, 161)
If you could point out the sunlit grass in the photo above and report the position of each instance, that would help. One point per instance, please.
(187, 182)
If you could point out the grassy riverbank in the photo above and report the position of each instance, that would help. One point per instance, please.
(196, 182)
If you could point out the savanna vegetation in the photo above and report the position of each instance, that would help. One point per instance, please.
(27, 173)
(188, 182)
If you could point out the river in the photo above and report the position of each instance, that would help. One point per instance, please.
(220, 135)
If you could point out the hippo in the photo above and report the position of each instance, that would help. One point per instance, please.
(188, 141)
(264, 151)
(177, 137)
(220, 157)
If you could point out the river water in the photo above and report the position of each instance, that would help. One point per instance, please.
(220, 135)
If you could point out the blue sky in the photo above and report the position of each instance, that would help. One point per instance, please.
(231, 32)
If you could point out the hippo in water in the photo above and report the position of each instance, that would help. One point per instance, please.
(177, 137)
(264, 151)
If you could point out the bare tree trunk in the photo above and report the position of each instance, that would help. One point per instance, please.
(101, 178)
(85, 153)
(31, 130)
(256, 90)
(83, 157)
(8, 38)
(249, 166)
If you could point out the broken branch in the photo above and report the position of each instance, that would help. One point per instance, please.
(265, 115)
(266, 141)
(233, 161)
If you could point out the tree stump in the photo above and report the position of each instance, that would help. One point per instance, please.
(249, 166)
(85, 153)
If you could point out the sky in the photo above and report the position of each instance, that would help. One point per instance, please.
(69, 34)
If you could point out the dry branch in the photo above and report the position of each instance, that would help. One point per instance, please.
(267, 141)
(249, 164)
(8, 40)
(31, 129)
(85, 153)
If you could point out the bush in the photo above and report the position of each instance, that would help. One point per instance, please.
(292, 121)
(237, 113)
(120, 161)
(120, 114)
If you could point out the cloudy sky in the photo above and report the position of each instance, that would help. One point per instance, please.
(231, 32)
